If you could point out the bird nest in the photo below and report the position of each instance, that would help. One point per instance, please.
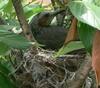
(40, 70)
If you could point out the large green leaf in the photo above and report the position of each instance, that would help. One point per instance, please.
(86, 34)
(5, 80)
(74, 45)
(8, 7)
(3, 48)
(4, 69)
(86, 11)
(13, 40)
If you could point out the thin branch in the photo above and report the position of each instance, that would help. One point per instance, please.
(72, 33)
(81, 74)
(22, 20)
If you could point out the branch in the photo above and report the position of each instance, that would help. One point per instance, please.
(96, 56)
(22, 20)
(81, 74)
(72, 33)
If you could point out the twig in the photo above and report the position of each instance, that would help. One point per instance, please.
(28, 3)
(81, 74)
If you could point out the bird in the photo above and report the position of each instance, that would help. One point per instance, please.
(51, 36)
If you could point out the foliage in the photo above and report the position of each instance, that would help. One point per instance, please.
(86, 11)
(10, 40)
(30, 10)
(5, 80)
(8, 12)
(74, 45)
(86, 34)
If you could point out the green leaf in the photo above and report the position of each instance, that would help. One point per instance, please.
(8, 7)
(16, 41)
(86, 34)
(13, 40)
(3, 3)
(86, 11)
(4, 69)
(97, 2)
(5, 27)
(3, 48)
(74, 45)
(5, 81)
(31, 10)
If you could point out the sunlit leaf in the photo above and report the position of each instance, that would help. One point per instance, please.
(86, 11)
(3, 3)
(31, 10)
(75, 45)
(8, 7)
